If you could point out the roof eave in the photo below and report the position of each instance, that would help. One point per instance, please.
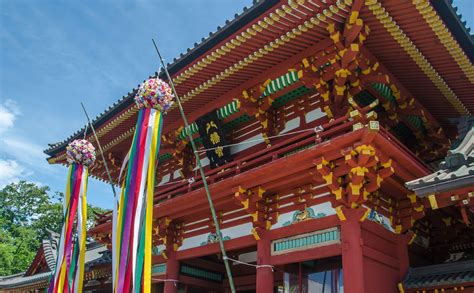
(232, 27)
(207, 44)
(423, 190)
(446, 11)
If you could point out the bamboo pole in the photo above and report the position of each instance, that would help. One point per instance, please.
(201, 171)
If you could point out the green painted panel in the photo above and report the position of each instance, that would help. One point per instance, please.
(158, 269)
(236, 122)
(228, 110)
(417, 122)
(164, 157)
(306, 240)
(200, 273)
(198, 140)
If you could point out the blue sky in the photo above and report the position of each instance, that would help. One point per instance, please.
(55, 54)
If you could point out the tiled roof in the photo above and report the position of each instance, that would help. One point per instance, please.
(443, 7)
(47, 251)
(95, 254)
(207, 43)
(456, 273)
(104, 258)
(20, 280)
(456, 171)
(49, 248)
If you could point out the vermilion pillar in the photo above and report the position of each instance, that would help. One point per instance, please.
(264, 274)
(352, 257)
(172, 271)
(403, 257)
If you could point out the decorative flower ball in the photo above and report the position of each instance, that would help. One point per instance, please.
(81, 152)
(155, 93)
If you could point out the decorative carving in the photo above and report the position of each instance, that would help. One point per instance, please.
(351, 180)
(167, 233)
(259, 205)
(364, 174)
(214, 238)
(303, 215)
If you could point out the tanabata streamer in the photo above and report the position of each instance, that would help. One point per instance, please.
(69, 272)
(133, 211)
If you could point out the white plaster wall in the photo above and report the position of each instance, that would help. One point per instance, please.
(177, 174)
(246, 144)
(165, 179)
(291, 124)
(314, 115)
(232, 232)
(204, 162)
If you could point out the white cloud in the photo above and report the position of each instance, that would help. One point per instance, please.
(18, 156)
(10, 171)
(17, 149)
(8, 113)
(23, 149)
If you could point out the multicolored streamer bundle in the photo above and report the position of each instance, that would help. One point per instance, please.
(69, 272)
(133, 212)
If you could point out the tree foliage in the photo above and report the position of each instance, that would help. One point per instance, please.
(27, 211)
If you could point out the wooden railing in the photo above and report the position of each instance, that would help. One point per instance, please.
(285, 147)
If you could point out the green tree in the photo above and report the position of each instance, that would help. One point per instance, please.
(26, 211)
(21, 203)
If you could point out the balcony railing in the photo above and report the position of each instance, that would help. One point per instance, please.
(285, 147)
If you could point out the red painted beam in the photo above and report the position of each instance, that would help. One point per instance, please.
(378, 256)
(380, 231)
(298, 163)
(258, 176)
(232, 244)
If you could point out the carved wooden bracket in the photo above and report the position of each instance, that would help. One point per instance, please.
(358, 175)
(257, 203)
(168, 233)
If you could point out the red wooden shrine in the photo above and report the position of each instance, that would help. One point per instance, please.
(329, 108)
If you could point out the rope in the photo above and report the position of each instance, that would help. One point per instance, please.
(171, 183)
(316, 129)
(249, 264)
(190, 180)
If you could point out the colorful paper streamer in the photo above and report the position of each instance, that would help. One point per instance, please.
(69, 272)
(133, 211)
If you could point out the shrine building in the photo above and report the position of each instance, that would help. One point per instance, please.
(337, 141)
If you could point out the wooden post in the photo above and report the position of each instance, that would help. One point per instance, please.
(352, 257)
(264, 274)
(403, 258)
(172, 271)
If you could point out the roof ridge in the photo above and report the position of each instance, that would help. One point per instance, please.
(462, 154)
(466, 146)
